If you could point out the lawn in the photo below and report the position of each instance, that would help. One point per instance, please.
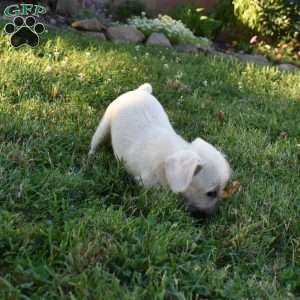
(70, 229)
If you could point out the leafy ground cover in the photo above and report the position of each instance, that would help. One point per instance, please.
(74, 230)
(281, 53)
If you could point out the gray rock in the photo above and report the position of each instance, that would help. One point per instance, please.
(256, 59)
(205, 46)
(224, 55)
(98, 35)
(287, 67)
(52, 21)
(88, 25)
(105, 20)
(205, 49)
(125, 33)
(187, 48)
(61, 20)
(217, 53)
(158, 39)
(52, 27)
(4, 18)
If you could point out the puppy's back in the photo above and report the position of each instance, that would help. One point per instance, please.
(135, 117)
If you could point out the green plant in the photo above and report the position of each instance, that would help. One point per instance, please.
(224, 12)
(274, 18)
(175, 30)
(283, 52)
(129, 9)
(196, 20)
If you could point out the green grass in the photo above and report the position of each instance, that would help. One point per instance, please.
(74, 230)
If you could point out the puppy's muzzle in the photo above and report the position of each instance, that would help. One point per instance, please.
(197, 213)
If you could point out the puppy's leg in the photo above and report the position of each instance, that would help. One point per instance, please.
(101, 134)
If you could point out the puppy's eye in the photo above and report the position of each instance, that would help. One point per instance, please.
(212, 194)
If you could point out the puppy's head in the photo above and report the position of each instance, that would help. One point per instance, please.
(200, 174)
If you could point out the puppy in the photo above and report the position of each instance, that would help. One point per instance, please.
(143, 138)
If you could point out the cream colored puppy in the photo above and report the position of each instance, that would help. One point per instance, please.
(143, 138)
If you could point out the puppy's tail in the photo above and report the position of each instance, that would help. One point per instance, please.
(146, 87)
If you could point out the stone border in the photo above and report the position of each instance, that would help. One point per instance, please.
(130, 34)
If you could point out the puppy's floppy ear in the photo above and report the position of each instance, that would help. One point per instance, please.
(180, 168)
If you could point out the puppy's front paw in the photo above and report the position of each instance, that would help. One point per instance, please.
(91, 153)
(90, 158)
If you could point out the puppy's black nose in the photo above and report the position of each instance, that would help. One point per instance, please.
(199, 214)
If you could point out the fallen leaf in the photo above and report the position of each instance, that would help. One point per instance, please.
(231, 189)
(220, 116)
(284, 135)
(177, 85)
(55, 91)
